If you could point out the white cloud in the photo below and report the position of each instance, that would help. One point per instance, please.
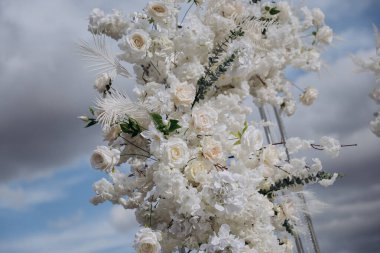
(18, 198)
(123, 220)
(80, 238)
(66, 222)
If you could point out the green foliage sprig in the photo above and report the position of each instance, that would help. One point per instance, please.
(131, 127)
(210, 77)
(294, 181)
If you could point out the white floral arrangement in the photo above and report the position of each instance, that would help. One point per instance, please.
(373, 65)
(199, 175)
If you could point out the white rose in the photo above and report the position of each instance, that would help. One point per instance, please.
(135, 45)
(318, 16)
(147, 241)
(158, 11)
(183, 94)
(309, 96)
(105, 158)
(204, 119)
(252, 139)
(102, 82)
(324, 35)
(212, 149)
(195, 168)
(176, 153)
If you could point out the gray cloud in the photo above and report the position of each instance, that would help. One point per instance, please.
(44, 86)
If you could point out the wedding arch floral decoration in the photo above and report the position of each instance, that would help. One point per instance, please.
(183, 148)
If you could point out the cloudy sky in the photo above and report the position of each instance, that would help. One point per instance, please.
(45, 180)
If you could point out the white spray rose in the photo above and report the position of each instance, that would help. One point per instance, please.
(135, 45)
(176, 153)
(212, 149)
(105, 158)
(289, 107)
(318, 16)
(159, 11)
(147, 241)
(101, 82)
(252, 139)
(324, 35)
(204, 119)
(309, 96)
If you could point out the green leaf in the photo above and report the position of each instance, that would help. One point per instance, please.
(157, 119)
(91, 111)
(237, 142)
(245, 128)
(274, 11)
(173, 125)
(170, 127)
(131, 127)
(91, 123)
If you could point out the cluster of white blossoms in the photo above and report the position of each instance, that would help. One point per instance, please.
(199, 174)
(373, 65)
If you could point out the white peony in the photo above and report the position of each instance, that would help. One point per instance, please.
(105, 158)
(175, 153)
(324, 35)
(102, 82)
(147, 241)
(204, 119)
(252, 139)
(212, 149)
(135, 46)
(309, 96)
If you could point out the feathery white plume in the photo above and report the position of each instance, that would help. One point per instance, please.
(103, 60)
(118, 107)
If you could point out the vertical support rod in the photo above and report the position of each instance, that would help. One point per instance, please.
(307, 216)
(267, 131)
(269, 137)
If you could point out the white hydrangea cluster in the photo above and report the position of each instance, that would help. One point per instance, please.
(373, 65)
(200, 176)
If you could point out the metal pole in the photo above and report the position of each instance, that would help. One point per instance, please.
(268, 133)
(269, 137)
(307, 216)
